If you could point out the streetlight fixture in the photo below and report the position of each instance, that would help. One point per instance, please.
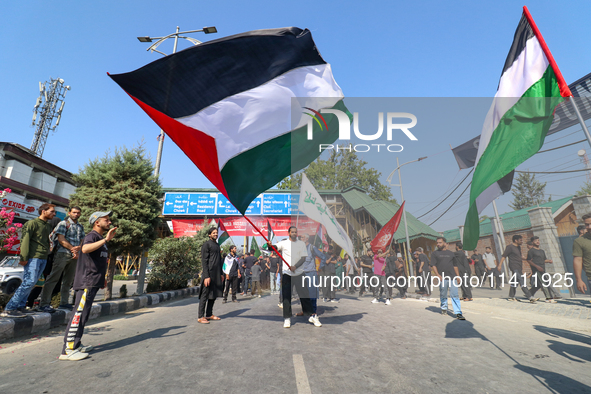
(408, 251)
(152, 48)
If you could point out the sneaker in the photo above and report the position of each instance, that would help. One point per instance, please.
(13, 313)
(511, 299)
(280, 305)
(85, 349)
(314, 320)
(287, 323)
(551, 301)
(66, 306)
(26, 311)
(388, 302)
(460, 317)
(334, 300)
(324, 300)
(375, 301)
(46, 309)
(73, 355)
(259, 296)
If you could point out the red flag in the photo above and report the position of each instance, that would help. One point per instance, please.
(384, 237)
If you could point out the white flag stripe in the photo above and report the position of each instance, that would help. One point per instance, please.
(528, 68)
(314, 207)
(252, 117)
(487, 196)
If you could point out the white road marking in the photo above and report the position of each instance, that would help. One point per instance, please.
(501, 318)
(301, 375)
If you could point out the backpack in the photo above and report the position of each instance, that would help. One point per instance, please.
(53, 241)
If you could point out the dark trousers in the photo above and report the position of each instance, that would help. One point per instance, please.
(245, 282)
(205, 303)
(480, 271)
(516, 276)
(232, 282)
(329, 291)
(75, 328)
(286, 283)
(365, 280)
(466, 286)
(537, 284)
(494, 279)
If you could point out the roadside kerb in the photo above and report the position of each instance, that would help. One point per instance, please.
(38, 322)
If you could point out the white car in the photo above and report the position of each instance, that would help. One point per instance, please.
(11, 274)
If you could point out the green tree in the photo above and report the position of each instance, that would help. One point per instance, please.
(527, 191)
(585, 189)
(342, 169)
(175, 261)
(122, 182)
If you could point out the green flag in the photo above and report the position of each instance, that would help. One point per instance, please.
(254, 246)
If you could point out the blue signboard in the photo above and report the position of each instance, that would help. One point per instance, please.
(176, 204)
(224, 207)
(276, 204)
(202, 203)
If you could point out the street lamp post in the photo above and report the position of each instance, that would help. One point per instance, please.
(402, 198)
(152, 48)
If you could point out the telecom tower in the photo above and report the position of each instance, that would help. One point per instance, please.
(52, 94)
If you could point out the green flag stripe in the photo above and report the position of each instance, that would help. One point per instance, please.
(519, 135)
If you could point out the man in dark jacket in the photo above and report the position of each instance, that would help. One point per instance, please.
(211, 287)
(465, 272)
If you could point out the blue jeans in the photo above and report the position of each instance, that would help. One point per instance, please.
(453, 290)
(33, 270)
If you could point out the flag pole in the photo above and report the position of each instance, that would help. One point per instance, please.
(581, 120)
(268, 243)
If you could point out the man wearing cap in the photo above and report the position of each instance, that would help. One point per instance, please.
(90, 277)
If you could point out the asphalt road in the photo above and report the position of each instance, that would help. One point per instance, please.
(408, 347)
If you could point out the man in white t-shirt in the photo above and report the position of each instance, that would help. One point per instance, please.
(491, 268)
(294, 252)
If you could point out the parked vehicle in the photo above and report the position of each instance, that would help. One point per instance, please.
(11, 274)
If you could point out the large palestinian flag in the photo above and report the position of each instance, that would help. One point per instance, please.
(530, 88)
(228, 104)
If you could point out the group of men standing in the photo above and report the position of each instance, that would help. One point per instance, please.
(81, 260)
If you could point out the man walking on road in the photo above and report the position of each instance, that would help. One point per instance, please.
(294, 252)
(582, 256)
(33, 256)
(492, 271)
(537, 260)
(69, 234)
(212, 278)
(232, 273)
(513, 253)
(90, 277)
(366, 270)
(311, 276)
(465, 272)
(249, 261)
(478, 266)
(445, 267)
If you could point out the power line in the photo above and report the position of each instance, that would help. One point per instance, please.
(441, 202)
(552, 172)
(452, 204)
(563, 146)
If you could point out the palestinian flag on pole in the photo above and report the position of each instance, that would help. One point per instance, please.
(270, 233)
(227, 103)
(530, 88)
(222, 233)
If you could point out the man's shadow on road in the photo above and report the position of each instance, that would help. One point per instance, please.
(158, 333)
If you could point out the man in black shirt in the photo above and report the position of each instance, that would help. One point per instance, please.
(249, 261)
(513, 254)
(274, 271)
(537, 260)
(478, 266)
(366, 270)
(445, 267)
(465, 272)
(90, 276)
